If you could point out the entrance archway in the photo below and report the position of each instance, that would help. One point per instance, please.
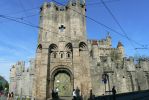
(63, 80)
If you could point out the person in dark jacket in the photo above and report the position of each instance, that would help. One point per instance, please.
(114, 93)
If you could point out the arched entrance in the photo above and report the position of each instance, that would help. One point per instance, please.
(63, 80)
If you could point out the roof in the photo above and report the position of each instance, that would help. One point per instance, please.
(119, 44)
(94, 42)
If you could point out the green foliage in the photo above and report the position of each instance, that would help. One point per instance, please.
(1, 87)
(7, 86)
(3, 83)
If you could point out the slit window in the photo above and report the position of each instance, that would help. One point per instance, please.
(54, 55)
(61, 55)
(68, 55)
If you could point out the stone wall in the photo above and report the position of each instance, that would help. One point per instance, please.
(126, 76)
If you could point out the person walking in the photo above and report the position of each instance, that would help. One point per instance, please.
(77, 93)
(56, 92)
(53, 94)
(74, 94)
(114, 93)
(12, 95)
(9, 96)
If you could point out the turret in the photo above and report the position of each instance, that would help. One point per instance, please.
(108, 39)
(32, 66)
(78, 1)
(120, 50)
(20, 67)
(95, 49)
(12, 78)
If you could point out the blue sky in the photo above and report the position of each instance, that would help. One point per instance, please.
(18, 41)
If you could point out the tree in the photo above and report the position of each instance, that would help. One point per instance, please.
(7, 86)
(1, 87)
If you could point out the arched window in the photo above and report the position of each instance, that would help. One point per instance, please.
(69, 47)
(82, 46)
(53, 47)
(68, 55)
(39, 48)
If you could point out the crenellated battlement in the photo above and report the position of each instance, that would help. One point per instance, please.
(103, 43)
(60, 7)
(103, 47)
(19, 68)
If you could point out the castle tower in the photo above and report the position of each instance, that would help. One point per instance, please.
(12, 78)
(62, 47)
(58, 23)
(120, 48)
(108, 38)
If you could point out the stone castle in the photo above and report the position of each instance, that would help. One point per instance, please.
(66, 59)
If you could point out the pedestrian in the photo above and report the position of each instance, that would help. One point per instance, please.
(74, 94)
(56, 92)
(77, 93)
(53, 94)
(114, 93)
(91, 95)
(9, 96)
(12, 95)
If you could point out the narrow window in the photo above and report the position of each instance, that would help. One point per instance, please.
(68, 55)
(54, 55)
(61, 55)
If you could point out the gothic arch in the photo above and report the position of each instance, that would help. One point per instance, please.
(82, 46)
(69, 47)
(58, 71)
(39, 48)
(61, 69)
(53, 47)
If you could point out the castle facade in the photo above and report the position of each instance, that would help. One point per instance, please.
(66, 59)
